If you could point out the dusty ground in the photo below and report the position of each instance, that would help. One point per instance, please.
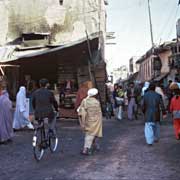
(124, 155)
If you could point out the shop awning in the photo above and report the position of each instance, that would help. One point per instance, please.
(13, 53)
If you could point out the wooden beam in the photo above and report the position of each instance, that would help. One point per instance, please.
(1, 70)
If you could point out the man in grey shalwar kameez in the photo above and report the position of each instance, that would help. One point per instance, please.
(132, 94)
(6, 117)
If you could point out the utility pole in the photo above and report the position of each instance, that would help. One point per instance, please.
(177, 29)
(152, 40)
(177, 36)
(92, 74)
(150, 22)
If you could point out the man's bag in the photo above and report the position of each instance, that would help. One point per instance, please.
(176, 114)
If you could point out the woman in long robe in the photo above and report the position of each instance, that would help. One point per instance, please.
(21, 116)
(6, 117)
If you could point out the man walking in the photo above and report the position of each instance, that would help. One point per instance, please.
(152, 104)
(132, 94)
(90, 121)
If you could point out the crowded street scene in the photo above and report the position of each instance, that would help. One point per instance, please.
(90, 90)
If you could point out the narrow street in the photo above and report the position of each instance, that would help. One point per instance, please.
(124, 155)
(92, 57)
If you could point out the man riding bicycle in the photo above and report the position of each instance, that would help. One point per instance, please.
(44, 104)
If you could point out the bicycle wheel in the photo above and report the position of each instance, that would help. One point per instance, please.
(53, 142)
(37, 143)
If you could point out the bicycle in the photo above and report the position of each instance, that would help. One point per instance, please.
(43, 139)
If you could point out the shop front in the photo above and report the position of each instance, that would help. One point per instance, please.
(66, 68)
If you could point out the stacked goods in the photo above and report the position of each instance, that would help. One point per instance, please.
(68, 113)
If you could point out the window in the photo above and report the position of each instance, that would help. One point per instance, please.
(61, 2)
(106, 2)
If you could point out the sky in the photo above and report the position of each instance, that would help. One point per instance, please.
(129, 20)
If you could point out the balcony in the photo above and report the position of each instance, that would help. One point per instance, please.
(174, 61)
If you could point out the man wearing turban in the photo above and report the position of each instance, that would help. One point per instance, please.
(90, 117)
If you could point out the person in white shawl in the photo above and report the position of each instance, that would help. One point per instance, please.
(178, 85)
(145, 88)
(90, 117)
(21, 115)
(160, 92)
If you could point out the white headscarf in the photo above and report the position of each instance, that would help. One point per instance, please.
(21, 99)
(159, 91)
(92, 92)
(178, 85)
(146, 86)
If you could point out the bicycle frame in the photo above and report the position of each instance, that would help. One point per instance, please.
(42, 140)
(44, 135)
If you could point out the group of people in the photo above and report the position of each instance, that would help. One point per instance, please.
(150, 98)
(44, 106)
(43, 102)
(154, 104)
(126, 98)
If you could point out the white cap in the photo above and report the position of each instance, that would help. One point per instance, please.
(92, 92)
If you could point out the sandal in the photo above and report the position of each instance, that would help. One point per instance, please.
(86, 152)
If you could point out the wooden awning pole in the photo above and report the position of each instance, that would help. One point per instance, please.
(90, 61)
(90, 58)
(2, 70)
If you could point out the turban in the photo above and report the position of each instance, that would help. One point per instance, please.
(92, 92)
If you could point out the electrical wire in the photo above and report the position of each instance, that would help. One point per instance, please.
(174, 23)
(163, 30)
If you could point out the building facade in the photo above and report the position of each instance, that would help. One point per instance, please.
(159, 63)
(120, 73)
(65, 20)
(62, 40)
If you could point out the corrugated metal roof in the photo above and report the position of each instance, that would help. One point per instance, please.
(13, 53)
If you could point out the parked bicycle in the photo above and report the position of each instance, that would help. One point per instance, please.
(43, 138)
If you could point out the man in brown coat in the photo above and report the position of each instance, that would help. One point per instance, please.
(91, 121)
